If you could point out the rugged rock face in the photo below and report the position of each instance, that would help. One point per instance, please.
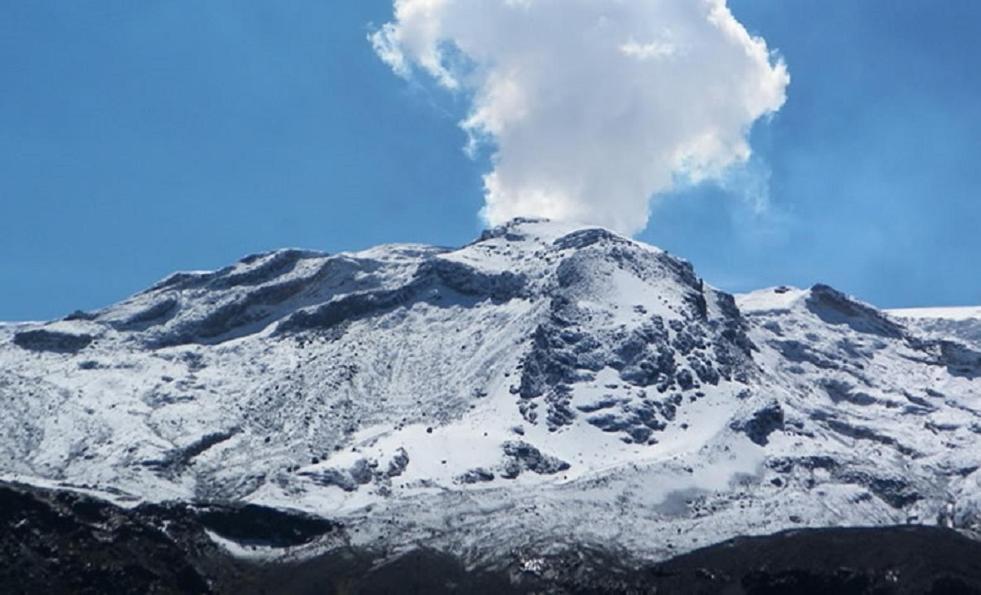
(59, 542)
(856, 560)
(545, 385)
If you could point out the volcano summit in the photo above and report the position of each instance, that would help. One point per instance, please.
(545, 385)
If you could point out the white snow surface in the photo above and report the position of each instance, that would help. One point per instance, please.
(950, 313)
(546, 384)
(962, 323)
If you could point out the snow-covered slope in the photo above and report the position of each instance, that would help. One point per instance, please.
(544, 384)
(963, 323)
(954, 313)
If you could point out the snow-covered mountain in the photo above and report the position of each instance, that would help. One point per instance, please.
(543, 385)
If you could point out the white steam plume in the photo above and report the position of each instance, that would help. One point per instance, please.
(593, 106)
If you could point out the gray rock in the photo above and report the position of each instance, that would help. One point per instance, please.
(333, 478)
(53, 341)
(361, 471)
(834, 307)
(476, 476)
(525, 457)
(398, 463)
(761, 423)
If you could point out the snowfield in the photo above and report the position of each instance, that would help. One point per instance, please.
(543, 385)
(955, 313)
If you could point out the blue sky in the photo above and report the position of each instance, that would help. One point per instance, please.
(138, 138)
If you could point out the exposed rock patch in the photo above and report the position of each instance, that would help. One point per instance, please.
(761, 423)
(834, 307)
(53, 341)
(522, 456)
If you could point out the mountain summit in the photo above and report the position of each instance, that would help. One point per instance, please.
(544, 384)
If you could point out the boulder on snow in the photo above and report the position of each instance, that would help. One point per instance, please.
(761, 423)
(522, 456)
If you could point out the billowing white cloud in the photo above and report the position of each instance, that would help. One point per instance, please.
(592, 106)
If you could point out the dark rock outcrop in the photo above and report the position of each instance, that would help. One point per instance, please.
(176, 460)
(522, 456)
(398, 463)
(54, 542)
(834, 307)
(53, 341)
(62, 542)
(761, 423)
(476, 476)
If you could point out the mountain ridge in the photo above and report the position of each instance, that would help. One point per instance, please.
(543, 384)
